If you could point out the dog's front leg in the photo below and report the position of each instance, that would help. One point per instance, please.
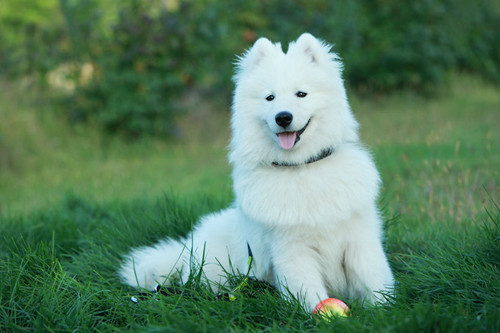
(297, 272)
(367, 270)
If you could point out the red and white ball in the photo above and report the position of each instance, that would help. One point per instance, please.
(331, 308)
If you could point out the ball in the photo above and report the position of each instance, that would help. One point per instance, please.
(331, 308)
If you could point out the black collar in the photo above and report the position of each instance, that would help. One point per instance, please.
(322, 154)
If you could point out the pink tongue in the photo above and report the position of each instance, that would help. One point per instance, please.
(287, 139)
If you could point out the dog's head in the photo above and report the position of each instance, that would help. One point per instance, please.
(288, 106)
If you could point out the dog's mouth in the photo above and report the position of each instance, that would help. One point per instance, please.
(289, 139)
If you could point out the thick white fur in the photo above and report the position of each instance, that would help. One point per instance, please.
(313, 228)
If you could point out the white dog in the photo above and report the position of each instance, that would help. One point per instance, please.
(305, 190)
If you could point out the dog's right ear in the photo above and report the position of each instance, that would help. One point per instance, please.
(261, 49)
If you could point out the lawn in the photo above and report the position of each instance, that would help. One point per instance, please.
(73, 201)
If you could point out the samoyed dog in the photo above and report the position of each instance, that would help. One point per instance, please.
(305, 189)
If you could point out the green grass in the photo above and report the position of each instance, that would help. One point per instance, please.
(74, 201)
(42, 158)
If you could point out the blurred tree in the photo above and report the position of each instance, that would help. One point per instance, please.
(27, 27)
(145, 54)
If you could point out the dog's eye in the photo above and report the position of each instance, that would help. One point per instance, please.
(301, 94)
(269, 98)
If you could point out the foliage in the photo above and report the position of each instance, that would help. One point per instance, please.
(149, 61)
(147, 55)
(30, 37)
(409, 47)
(136, 80)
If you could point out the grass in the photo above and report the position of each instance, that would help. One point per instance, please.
(40, 153)
(73, 201)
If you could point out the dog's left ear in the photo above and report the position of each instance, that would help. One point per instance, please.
(316, 50)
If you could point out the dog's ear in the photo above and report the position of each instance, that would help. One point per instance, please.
(261, 49)
(316, 50)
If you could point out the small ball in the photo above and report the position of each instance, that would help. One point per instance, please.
(330, 308)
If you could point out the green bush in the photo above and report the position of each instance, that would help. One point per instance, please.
(30, 32)
(387, 45)
(401, 46)
(145, 67)
(477, 37)
(148, 56)
(136, 81)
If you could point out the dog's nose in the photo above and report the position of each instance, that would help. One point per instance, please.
(284, 118)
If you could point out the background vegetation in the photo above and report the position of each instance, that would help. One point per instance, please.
(128, 65)
(90, 89)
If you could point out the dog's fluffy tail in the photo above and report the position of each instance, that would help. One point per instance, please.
(148, 266)
(216, 246)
